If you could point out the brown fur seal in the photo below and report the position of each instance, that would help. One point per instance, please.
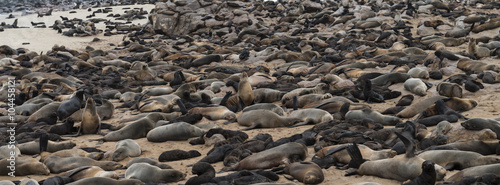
(267, 106)
(58, 164)
(311, 116)
(162, 103)
(245, 90)
(75, 152)
(126, 148)
(22, 166)
(476, 171)
(89, 171)
(453, 159)
(305, 172)
(418, 107)
(106, 180)
(480, 124)
(477, 51)
(290, 152)
(152, 174)
(472, 66)
(149, 161)
(266, 95)
(389, 79)
(416, 86)
(135, 130)
(400, 168)
(105, 111)
(91, 122)
(33, 147)
(318, 89)
(174, 132)
(264, 119)
(308, 99)
(377, 117)
(449, 89)
(457, 104)
(214, 113)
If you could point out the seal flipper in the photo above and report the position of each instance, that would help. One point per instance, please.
(453, 166)
(78, 170)
(241, 104)
(410, 146)
(356, 157)
(335, 150)
(344, 109)
(181, 106)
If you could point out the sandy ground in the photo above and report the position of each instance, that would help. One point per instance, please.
(41, 39)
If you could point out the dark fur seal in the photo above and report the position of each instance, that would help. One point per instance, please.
(174, 155)
(449, 89)
(71, 106)
(480, 124)
(427, 177)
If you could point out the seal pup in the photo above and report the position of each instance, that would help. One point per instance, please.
(290, 152)
(106, 180)
(152, 174)
(91, 122)
(174, 132)
(455, 159)
(264, 119)
(416, 86)
(305, 172)
(71, 106)
(126, 148)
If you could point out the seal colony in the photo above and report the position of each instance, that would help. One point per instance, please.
(245, 92)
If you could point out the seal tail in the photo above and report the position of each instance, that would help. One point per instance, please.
(356, 157)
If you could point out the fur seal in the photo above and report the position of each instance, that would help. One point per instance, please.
(389, 79)
(174, 132)
(427, 177)
(174, 155)
(58, 164)
(72, 153)
(88, 171)
(418, 72)
(23, 166)
(149, 161)
(416, 86)
(71, 106)
(266, 106)
(307, 99)
(214, 113)
(266, 95)
(126, 148)
(151, 174)
(291, 152)
(476, 171)
(33, 147)
(480, 124)
(311, 116)
(105, 111)
(162, 103)
(245, 90)
(135, 130)
(449, 89)
(264, 119)
(91, 122)
(377, 117)
(400, 168)
(106, 180)
(405, 100)
(418, 107)
(5, 151)
(318, 89)
(305, 172)
(454, 159)
(339, 152)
